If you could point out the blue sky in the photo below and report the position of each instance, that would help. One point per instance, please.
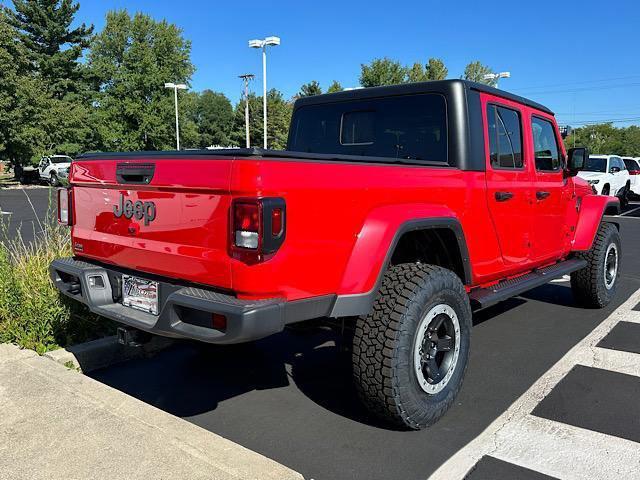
(580, 58)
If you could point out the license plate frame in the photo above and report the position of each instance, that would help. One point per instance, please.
(140, 294)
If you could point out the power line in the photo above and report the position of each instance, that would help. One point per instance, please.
(578, 83)
(606, 120)
(585, 89)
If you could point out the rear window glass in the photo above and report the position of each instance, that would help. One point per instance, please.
(631, 164)
(406, 127)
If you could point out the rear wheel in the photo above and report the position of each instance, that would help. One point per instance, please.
(54, 181)
(595, 285)
(410, 354)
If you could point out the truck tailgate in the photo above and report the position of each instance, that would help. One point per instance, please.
(169, 217)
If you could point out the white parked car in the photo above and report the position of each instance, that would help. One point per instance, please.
(608, 175)
(633, 167)
(54, 168)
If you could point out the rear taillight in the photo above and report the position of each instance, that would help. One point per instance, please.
(634, 172)
(257, 228)
(64, 206)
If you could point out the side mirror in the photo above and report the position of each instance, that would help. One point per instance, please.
(614, 169)
(577, 157)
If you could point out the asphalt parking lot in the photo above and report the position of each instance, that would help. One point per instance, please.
(290, 396)
(24, 209)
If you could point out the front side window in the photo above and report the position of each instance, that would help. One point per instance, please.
(505, 137)
(410, 127)
(617, 162)
(545, 144)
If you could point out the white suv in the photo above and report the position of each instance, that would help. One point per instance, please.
(608, 175)
(633, 166)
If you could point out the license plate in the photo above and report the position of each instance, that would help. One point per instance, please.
(140, 293)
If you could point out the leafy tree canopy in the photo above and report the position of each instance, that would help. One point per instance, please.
(130, 60)
(382, 71)
(52, 45)
(604, 138)
(310, 89)
(278, 114)
(335, 87)
(213, 115)
(436, 70)
(476, 72)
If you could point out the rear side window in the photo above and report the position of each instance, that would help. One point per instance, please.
(545, 144)
(405, 127)
(505, 137)
(631, 164)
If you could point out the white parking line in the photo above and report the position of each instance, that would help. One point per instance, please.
(557, 449)
(567, 452)
(629, 211)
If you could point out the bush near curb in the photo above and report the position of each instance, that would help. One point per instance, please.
(33, 314)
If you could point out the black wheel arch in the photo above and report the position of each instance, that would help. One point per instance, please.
(360, 304)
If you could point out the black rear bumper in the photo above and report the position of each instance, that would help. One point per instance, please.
(183, 312)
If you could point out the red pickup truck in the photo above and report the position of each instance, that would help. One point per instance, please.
(401, 209)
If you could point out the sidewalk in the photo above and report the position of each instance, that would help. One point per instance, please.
(56, 423)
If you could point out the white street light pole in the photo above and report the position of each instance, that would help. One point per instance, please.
(263, 44)
(497, 76)
(176, 87)
(246, 77)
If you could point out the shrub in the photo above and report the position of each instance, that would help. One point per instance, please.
(33, 314)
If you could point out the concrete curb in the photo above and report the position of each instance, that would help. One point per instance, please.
(104, 352)
(57, 424)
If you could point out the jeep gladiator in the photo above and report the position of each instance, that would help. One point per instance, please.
(400, 209)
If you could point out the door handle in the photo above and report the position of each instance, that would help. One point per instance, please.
(541, 195)
(503, 196)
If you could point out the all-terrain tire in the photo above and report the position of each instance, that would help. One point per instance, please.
(594, 285)
(384, 345)
(53, 180)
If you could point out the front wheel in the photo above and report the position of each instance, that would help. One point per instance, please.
(410, 354)
(595, 285)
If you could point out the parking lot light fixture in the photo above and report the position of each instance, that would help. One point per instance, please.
(271, 41)
(176, 87)
(497, 76)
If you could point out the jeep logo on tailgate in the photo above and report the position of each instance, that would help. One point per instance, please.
(139, 209)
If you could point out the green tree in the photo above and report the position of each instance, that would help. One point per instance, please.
(213, 117)
(417, 73)
(53, 46)
(130, 60)
(436, 70)
(310, 89)
(278, 116)
(25, 121)
(382, 71)
(335, 87)
(603, 138)
(476, 72)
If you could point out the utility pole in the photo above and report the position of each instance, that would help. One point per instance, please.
(246, 77)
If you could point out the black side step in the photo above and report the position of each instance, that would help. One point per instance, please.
(485, 297)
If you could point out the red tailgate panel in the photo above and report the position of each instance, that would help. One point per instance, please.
(187, 239)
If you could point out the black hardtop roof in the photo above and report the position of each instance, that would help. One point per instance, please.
(413, 88)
